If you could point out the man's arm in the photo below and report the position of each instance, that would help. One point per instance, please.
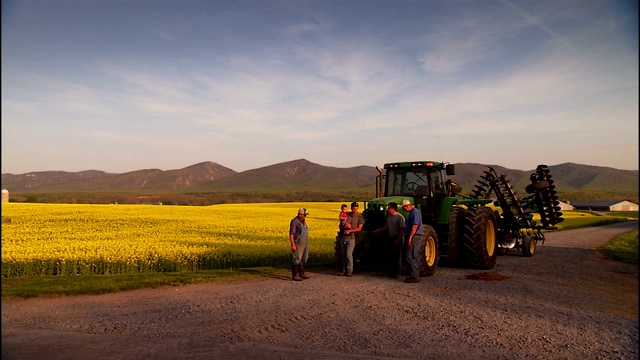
(400, 236)
(292, 234)
(414, 228)
(356, 229)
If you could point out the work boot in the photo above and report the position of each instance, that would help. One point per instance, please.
(301, 271)
(412, 280)
(294, 273)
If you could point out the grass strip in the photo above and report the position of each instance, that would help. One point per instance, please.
(34, 286)
(623, 248)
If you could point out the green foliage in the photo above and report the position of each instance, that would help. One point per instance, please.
(581, 222)
(610, 194)
(623, 248)
(184, 198)
(33, 286)
(628, 214)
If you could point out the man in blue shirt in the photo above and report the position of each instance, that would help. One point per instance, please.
(414, 240)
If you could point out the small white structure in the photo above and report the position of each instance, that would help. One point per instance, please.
(5, 195)
(624, 206)
(564, 206)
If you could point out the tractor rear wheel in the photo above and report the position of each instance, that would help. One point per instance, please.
(528, 246)
(429, 253)
(479, 243)
(456, 229)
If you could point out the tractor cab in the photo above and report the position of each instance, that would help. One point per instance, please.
(424, 183)
(418, 179)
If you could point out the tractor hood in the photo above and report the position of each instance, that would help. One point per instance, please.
(382, 202)
(379, 205)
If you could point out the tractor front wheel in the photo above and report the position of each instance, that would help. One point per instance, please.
(429, 253)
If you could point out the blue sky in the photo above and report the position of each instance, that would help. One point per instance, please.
(121, 85)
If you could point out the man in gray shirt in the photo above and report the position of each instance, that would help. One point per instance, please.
(355, 222)
(395, 227)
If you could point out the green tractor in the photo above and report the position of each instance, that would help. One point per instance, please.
(460, 231)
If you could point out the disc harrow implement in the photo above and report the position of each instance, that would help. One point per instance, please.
(516, 227)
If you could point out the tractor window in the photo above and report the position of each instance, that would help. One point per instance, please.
(439, 184)
(394, 183)
(406, 181)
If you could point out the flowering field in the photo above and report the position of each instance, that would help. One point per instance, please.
(66, 239)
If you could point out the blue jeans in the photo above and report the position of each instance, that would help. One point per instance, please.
(413, 255)
(347, 253)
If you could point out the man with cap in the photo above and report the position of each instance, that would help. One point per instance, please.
(413, 240)
(394, 228)
(354, 225)
(299, 237)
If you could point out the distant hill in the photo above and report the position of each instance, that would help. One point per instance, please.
(296, 178)
(298, 174)
(92, 180)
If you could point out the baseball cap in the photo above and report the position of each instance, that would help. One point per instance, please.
(406, 202)
(354, 204)
(303, 211)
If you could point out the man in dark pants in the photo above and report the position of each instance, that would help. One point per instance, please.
(355, 222)
(299, 237)
(413, 240)
(395, 227)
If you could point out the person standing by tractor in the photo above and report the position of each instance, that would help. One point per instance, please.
(340, 238)
(413, 240)
(395, 227)
(299, 237)
(354, 225)
(343, 218)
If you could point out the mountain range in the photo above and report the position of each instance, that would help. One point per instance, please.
(299, 177)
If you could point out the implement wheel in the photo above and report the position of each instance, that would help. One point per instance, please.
(538, 185)
(479, 242)
(528, 246)
(429, 253)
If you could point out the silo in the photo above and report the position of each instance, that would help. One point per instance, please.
(5, 195)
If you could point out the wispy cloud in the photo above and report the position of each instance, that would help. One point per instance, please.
(257, 85)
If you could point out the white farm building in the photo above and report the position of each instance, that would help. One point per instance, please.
(564, 206)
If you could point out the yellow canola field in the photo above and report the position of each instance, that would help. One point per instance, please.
(68, 239)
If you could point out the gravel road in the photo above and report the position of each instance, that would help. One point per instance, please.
(565, 302)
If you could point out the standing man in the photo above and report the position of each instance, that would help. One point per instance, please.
(414, 240)
(299, 237)
(395, 228)
(354, 225)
